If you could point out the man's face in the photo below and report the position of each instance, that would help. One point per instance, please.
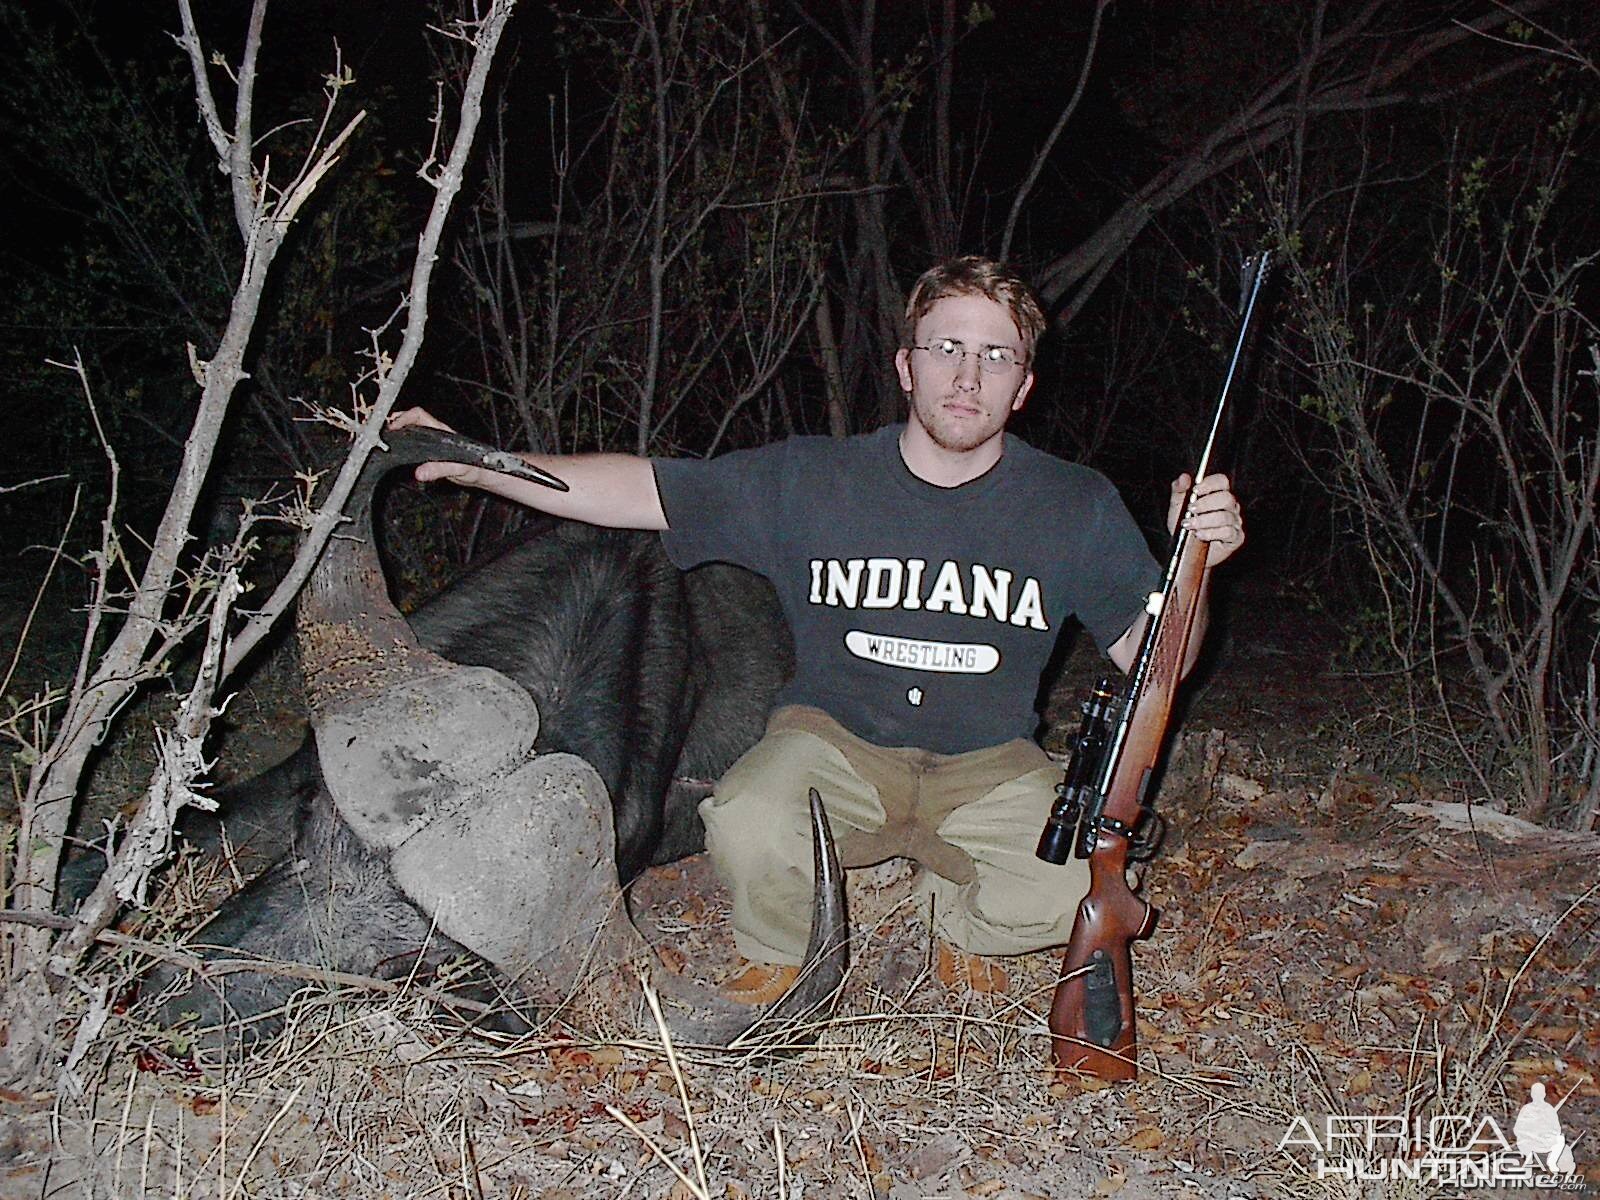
(959, 403)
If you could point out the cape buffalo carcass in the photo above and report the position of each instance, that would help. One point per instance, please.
(487, 774)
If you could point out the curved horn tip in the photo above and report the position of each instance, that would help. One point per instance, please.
(793, 1021)
(796, 1018)
(415, 444)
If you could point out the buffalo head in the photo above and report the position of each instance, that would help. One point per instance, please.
(431, 766)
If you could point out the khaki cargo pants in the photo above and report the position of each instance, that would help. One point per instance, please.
(972, 821)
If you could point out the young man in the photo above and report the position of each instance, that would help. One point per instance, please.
(926, 570)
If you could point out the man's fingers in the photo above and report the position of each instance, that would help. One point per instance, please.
(1211, 494)
(429, 472)
(1215, 502)
(416, 418)
(1212, 513)
(1214, 518)
(1221, 519)
(1222, 530)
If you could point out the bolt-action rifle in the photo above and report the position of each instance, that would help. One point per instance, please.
(1104, 809)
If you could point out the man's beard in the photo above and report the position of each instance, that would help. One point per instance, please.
(954, 434)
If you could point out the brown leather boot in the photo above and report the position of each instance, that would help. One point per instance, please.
(956, 968)
(760, 983)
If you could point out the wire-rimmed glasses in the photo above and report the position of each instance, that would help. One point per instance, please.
(992, 360)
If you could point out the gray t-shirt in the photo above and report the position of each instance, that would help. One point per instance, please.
(922, 616)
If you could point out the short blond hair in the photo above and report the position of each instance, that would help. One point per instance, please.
(975, 275)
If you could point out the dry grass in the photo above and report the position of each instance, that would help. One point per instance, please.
(913, 1092)
(1352, 965)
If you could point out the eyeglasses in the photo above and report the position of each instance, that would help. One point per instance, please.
(992, 360)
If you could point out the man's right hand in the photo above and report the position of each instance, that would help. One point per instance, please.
(459, 473)
(614, 490)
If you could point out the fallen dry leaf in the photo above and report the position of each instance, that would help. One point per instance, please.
(672, 958)
(1238, 787)
(1148, 1138)
(1438, 953)
(1561, 1034)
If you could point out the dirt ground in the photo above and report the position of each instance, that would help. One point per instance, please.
(1335, 939)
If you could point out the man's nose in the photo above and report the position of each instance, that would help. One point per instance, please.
(967, 372)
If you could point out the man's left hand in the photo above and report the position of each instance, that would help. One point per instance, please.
(1215, 517)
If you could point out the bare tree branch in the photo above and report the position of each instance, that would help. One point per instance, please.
(447, 183)
(1351, 83)
(1039, 159)
(241, 168)
(165, 606)
(204, 100)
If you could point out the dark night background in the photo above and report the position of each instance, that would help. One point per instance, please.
(1397, 160)
(688, 226)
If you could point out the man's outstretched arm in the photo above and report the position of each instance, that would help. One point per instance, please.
(615, 490)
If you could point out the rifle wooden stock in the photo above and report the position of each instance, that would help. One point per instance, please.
(1092, 1022)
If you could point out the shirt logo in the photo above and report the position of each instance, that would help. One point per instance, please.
(984, 593)
(954, 658)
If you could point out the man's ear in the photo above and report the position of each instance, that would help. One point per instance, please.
(902, 366)
(1022, 392)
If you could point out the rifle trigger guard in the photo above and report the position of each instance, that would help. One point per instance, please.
(1147, 837)
(1105, 824)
